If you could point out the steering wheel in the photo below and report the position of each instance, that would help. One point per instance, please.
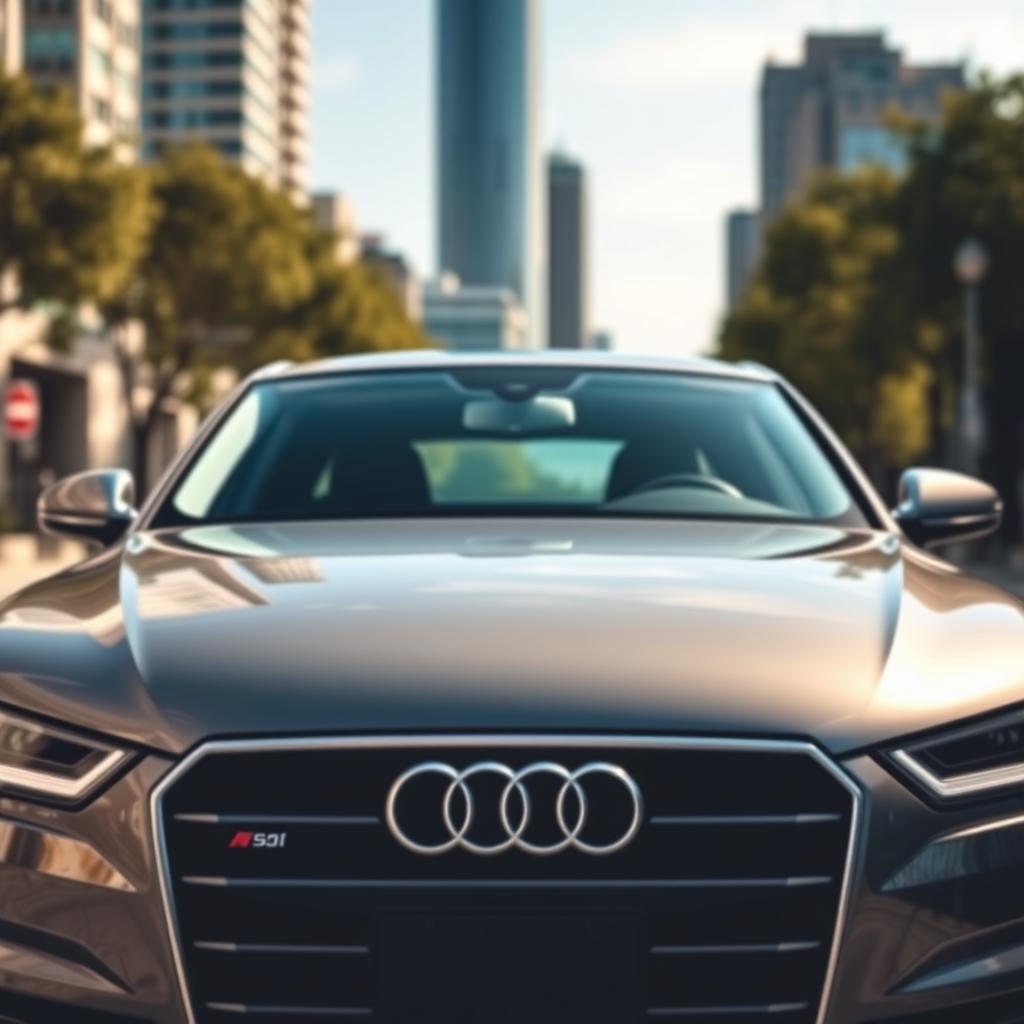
(698, 480)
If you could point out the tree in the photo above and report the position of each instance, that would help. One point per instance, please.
(223, 254)
(967, 179)
(234, 275)
(347, 309)
(823, 311)
(72, 220)
(218, 268)
(857, 301)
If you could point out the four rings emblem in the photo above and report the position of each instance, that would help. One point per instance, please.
(448, 808)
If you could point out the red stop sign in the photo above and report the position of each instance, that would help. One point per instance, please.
(21, 410)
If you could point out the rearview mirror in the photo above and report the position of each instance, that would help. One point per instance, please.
(937, 507)
(517, 416)
(95, 506)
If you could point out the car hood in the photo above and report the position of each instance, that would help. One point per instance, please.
(845, 637)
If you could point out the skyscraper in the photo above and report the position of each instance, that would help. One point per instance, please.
(829, 110)
(567, 253)
(92, 50)
(490, 188)
(233, 73)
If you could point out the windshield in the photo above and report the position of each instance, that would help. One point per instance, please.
(510, 441)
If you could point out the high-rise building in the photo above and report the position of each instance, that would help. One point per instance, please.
(232, 73)
(294, 97)
(473, 318)
(92, 50)
(334, 213)
(567, 253)
(397, 270)
(742, 240)
(490, 187)
(829, 110)
(10, 36)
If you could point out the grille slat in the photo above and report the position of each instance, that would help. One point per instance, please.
(290, 1011)
(727, 1011)
(277, 819)
(732, 884)
(796, 881)
(269, 947)
(767, 947)
(213, 818)
(745, 819)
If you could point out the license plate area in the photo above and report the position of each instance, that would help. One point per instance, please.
(504, 967)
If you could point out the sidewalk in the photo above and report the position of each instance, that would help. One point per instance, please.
(21, 563)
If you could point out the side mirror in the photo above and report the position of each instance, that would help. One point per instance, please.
(95, 506)
(939, 507)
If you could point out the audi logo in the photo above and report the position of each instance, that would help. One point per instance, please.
(448, 809)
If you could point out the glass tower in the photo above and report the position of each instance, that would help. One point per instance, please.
(490, 169)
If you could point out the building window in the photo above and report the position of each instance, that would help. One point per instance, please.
(191, 5)
(51, 7)
(104, 10)
(871, 144)
(127, 34)
(193, 90)
(101, 109)
(101, 61)
(46, 45)
(194, 30)
(190, 119)
(127, 84)
(208, 59)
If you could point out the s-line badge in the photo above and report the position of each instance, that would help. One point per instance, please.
(258, 840)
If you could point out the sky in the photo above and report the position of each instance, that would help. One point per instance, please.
(657, 98)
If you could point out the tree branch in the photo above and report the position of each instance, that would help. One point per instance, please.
(164, 383)
(127, 367)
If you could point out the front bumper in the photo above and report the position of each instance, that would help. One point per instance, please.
(933, 932)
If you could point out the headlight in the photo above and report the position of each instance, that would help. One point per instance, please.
(969, 761)
(40, 760)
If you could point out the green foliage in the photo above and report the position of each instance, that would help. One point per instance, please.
(821, 311)
(234, 275)
(72, 221)
(856, 299)
(224, 254)
(345, 310)
(968, 180)
(221, 270)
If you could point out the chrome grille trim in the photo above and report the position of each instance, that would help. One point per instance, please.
(253, 1009)
(485, 741)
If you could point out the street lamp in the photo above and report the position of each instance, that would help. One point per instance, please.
(970, 264)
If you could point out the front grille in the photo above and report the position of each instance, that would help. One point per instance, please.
(293, 900)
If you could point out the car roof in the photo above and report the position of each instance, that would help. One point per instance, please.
(420, 359)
